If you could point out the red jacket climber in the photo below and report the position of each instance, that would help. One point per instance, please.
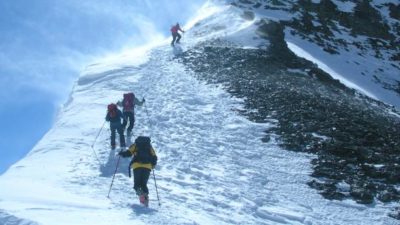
(175, 34)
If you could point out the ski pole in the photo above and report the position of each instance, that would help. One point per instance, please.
(112, 181)
(94, 151)
(95, 154)
(155, 183)
(98, 133)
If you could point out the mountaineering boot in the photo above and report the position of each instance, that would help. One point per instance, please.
(144, 199)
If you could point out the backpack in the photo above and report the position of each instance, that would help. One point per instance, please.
(143, 148)
(112, 110)
(128, 101)
(174, 29)
(143, 155)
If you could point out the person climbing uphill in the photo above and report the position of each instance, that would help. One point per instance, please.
(114, 116)
(175, 34)
(128, 108)
(143, 161)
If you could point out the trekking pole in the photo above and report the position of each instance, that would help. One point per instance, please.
(94, 151)
(155, 183)
(98, 133)
(112, 181)
(95, 154)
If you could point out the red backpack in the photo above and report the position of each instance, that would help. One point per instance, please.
(112, 110)
(128, 101)
(174, 29)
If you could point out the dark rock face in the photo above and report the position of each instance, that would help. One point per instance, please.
(355, 138)
(394, 11)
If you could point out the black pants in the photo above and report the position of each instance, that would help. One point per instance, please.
(131, 117)
(175, 36)
(117, 128)
(140, 178)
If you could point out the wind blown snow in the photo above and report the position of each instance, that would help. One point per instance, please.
(213, 167)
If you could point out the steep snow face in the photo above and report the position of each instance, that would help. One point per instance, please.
(363, 73)
(213, 168)
(304, 54)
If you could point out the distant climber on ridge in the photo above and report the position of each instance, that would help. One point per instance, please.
(143, 161)
(175, 34)
(114, 116)
(128, 108)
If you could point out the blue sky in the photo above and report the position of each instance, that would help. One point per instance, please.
(45, 43)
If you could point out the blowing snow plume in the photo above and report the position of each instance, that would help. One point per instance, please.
(221, 117)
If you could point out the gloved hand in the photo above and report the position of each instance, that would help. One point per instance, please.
(124, 153)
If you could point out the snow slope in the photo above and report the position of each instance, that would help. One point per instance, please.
(213, 167)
